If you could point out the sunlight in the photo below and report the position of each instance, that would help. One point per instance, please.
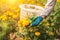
(12, 1)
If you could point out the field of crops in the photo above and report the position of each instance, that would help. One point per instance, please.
(11, 26)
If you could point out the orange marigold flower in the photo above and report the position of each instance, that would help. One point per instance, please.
(58, 0)
(37, 33)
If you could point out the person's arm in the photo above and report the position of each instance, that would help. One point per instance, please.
(47, 10)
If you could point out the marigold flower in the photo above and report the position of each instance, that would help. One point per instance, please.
(15, 16)
(3, 17)
(58, 0)
(26, 22)
(51, 33)
(20, 23)
(47, 24)
(20, 1)
(9, 13)
(37, 33)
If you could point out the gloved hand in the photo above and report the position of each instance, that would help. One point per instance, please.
(36, 21)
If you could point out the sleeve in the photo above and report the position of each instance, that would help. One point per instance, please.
(48, 7)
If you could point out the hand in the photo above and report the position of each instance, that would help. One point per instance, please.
(37, 21)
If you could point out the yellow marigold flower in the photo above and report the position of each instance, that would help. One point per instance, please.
(0, 17)
(40, 5)
(4, 17)
(28, 0)
(23, 22)
(51, 33)
(47, 24)
(17, 10)
(20, 23)
(32, 2)
(26, 22)
(37, 33)
(58, 0)
(9, 13)
(13, 7)
(20, 1)
(15, 16)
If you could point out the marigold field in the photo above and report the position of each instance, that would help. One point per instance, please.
(11, 26)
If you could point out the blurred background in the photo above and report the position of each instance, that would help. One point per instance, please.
(10, 13)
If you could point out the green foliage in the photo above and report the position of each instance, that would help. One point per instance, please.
(6, 28)
(47, 28)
